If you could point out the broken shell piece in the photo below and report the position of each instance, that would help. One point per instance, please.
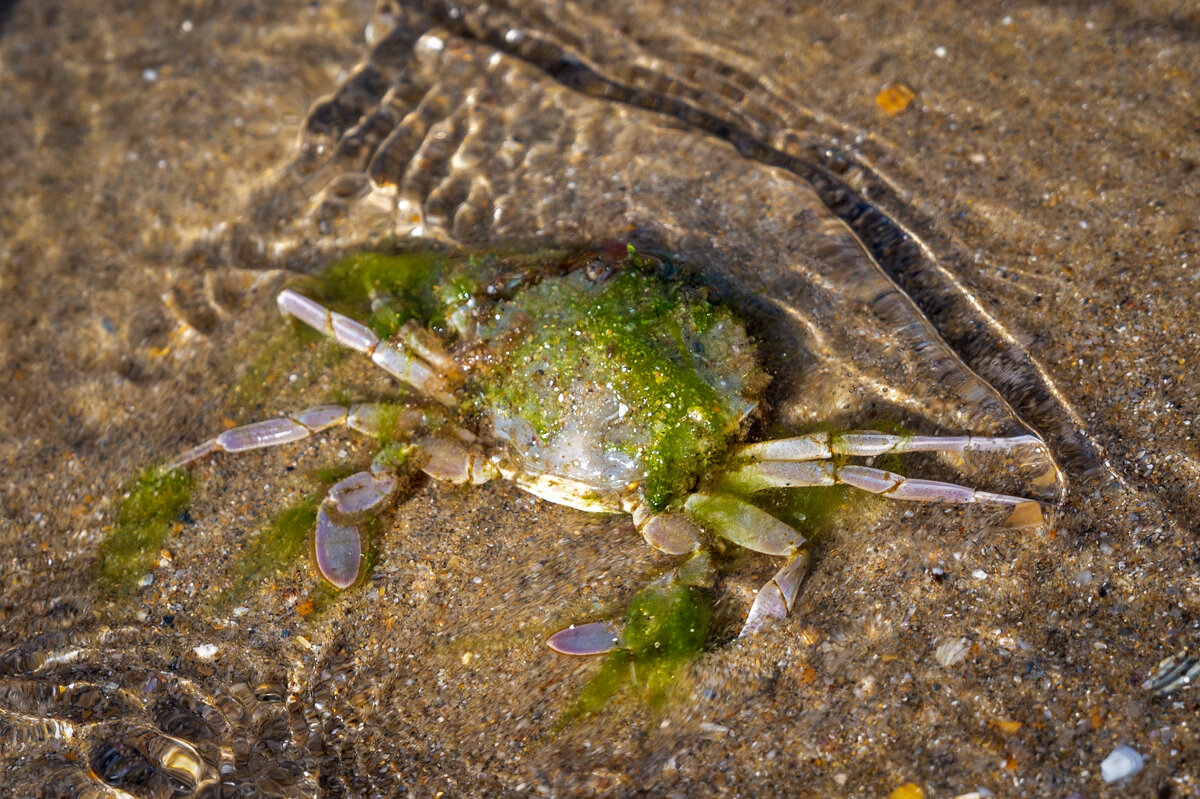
(1124, 761)
(1173, 673)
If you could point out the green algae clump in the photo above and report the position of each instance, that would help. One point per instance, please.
(666, 622)
(279, 543)
(396, 287)
(152, 504)
(666, 626)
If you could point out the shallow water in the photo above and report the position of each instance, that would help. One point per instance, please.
(1015, 250)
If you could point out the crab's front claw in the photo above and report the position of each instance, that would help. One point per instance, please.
(671, 533)
(338, 549)
(585, 640)
(775, 599)
(337, 544)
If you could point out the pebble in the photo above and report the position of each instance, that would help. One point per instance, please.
(713, 729)
(1123, 762)
(205, 651)
(909, 790)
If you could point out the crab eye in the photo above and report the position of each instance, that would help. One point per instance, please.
(598, 270)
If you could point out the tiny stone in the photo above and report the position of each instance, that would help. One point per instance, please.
(149, 75)
(894, 98)
(205, 651)
(1123, 762)
(1083, 578)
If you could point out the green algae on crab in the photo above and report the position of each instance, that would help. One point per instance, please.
(657, 374)
(650, 370)
(395, 288)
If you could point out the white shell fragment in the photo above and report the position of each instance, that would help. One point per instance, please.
(1174, 672)
(1123, 762)
(952, 651)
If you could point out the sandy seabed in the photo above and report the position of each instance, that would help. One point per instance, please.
(1048, 159)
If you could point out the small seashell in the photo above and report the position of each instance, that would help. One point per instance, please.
(1123, 762)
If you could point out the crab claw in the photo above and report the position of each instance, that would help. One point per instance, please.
(337, 546)
(338, 549)
(362, 491)
(583, 640)
(663, 617)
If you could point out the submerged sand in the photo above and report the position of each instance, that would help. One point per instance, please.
(1047, 160)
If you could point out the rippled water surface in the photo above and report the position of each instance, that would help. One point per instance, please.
(1014, 251)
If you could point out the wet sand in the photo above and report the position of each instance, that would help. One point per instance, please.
(1047, 160)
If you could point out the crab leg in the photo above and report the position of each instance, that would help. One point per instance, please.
(751, 527)
(822, 446)
(601, 637)
(337, 541)
(774, 600)
(742, 523)
(452, 461)
(671, 533)
(364, 417)
(793, 474)
(402, 359)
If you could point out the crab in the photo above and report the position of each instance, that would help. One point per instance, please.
(604, 382)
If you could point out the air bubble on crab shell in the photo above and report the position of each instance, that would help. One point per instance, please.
(338, 550)
(583, 640)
